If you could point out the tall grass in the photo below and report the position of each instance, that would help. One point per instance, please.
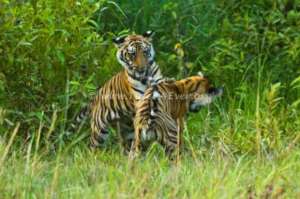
(78, 173)
(54, 54)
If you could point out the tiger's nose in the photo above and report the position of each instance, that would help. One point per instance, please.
(144, 62)
(140, 69)
(151, 62)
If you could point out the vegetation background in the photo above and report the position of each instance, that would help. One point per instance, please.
(54, 54)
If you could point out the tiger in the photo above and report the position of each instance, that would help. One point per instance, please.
(160, 113)
(114, 103)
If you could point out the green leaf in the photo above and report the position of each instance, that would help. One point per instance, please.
(60, 56)
(24, 43)
(295, 81)
(94, 23)
(296, 103)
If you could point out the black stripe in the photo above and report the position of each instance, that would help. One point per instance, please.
(154, 88)
(159, 79)
(152, 117)
(177, 90)
(155, 106)
(131, 75)
(122, 57)
(144, 81)
(188, 81)
(155, 70)
(126, 106)
(164, 90)
(137, 90)
(196, 87)
(97, 119)
(119, 106)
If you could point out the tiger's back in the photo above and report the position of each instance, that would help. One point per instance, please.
(160, 113)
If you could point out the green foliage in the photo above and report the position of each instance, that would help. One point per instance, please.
(40, 42)
(54, 54)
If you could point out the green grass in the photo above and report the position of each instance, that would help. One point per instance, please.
(54, 54)
(219, 160)
(79, 173)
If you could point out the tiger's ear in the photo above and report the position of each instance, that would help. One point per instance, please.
(119, 41)
(200, 74)
(148, 34)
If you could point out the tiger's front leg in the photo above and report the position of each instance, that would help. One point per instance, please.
(135, 148)
(171, 140)
(180, 128)
(180, 125)
(99, 134)
(100, 121)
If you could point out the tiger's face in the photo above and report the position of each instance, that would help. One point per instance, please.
(135, 52)
(200, 91)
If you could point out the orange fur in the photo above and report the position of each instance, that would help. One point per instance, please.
(160, 113)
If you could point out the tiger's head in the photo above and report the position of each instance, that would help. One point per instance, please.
(200, 92)
(135, 52)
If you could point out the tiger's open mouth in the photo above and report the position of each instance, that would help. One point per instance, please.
(205, 99)
(214, 92)
(141, 73)
(141, 70)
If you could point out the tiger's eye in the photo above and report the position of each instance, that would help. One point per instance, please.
(147, 52)
(132, 54)
(131, 50)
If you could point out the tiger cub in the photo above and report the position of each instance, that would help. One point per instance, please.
(115, 100)
(160, 113)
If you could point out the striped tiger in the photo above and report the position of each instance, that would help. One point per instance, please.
(115, 101)
(160, 113)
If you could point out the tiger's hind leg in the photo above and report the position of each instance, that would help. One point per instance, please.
(126, 134)
(171, 137)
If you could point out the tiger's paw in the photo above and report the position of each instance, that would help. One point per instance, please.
(133, 155)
